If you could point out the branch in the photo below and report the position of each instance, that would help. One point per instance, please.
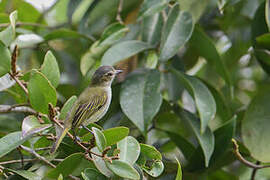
(25, 160)
(119, 10)
(21, 108)
(243, 160)
(19, 24)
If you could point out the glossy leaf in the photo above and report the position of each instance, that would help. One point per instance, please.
(179, 171)
(100, 163)
(151, 60)
(73, 164)
(156, 169)
(267, 13)
(114, 135)
(150, 151)
(7, 36)
(28, 40)
(32, 126)
(41, 92)
(65, 34)
(26, 174)
(140, 94)
(101, 142)
(129, 150)
(13, 18)
(123, 169)
(6, 82)
(204, 100)
(150, 7)
(123, 50)
(5, 60)
(92, 174)
(67, 107)
(10, 142)
(87, 62)
(177, 31)
(254, 127)
(50, 69)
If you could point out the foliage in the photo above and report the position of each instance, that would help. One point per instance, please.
(196, 75)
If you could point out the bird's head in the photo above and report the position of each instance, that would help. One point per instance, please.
(104, 76)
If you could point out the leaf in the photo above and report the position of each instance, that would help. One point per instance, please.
(129, 150)
(100, 139)
(123, 169)
(7, 36)
(155, 170)
(100, 163)
(179, 171)
(114, 135)
(206, 48)
(26, 174)
(28, 40)
(206, 140)
(41, 92)
(255, 126)
(150, 152)
(151, 28)
(50, 69)
(87, 62)
(73, 164)
(150, 7)
(267, 13)
(123, 50)
(5, 60)
(151, 60)
(177, 31)
(65, 34)
(263, 41)
(92, 174)
(140, 94)
(67, 107)
(10, 142)
(13, 18)
(113, 33)
(204, 100)
(6, 82)
(32, 126)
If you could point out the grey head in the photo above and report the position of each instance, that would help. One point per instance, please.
(104, 76)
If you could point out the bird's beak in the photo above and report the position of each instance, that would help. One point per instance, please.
(118, 71)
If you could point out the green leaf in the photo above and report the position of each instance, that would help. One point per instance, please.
(151, 28)
(150, 151)
(267, 14)
(100, 163)
(123, 50)
(73, 164)
(204, 100)
(6, 82)
(263, 41)
(87, 62)
(206, 140)
(50, 69)
(13, 18)
(100, 139)
(123, 169)
(177, 31)
(65, 34)
(67, 107)
(206, 48)
(92, 174)
(151, 60)
(140, 94)
(129, 150)
(5, 59)
(155, 170)
(32, 126)
(10, 142)
(114, 135)
(7, 35)
(255, 126)
(26, 174)
(28, 40)
(113, 33)
(179, 171)
(41, 92)
(150, 7)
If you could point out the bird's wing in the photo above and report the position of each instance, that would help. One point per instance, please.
(87, 109)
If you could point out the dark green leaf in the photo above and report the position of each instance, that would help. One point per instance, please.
(114, 135)
(150, 151)
(92, 174)
(267, 13)
(156, 169)
(204, 100)
(123, 50)
(100, 139)
(32, 126)
(177, 31)
(50, 69)
(26, 174)
(129, 150)
(150, 7)
(65, 34)
(41, 92)
(193, 7)
(67, 107)
(140, 94)
(5, 60)
(100, 163)
(123, 169)
(263, 41)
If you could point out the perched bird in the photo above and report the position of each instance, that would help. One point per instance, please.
(91, 105)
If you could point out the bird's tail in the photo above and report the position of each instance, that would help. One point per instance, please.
(58, 140)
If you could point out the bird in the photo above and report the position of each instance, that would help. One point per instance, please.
(91, 105)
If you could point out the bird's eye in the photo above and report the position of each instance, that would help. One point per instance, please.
(109, 74)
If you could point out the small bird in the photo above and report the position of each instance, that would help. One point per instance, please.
(91, 105)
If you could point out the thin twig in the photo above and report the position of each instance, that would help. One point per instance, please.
(26, 160)
(22, 159)
(19, 24)
(254, 171)
(119, 10)
(19, 83)
(243, 160)
(13, 60)
(17, 108)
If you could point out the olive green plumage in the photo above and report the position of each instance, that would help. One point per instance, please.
(92, 104)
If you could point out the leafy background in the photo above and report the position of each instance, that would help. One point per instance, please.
(196, 75)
